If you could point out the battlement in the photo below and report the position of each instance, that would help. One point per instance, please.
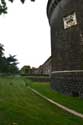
(51, 6)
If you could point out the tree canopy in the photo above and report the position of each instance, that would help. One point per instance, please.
(3, 5)
(8, 64)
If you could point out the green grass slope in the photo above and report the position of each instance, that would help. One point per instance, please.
(20, 105)
(72, 102)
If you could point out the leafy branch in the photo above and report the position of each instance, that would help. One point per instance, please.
(3, 5)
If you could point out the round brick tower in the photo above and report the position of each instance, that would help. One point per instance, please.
(66, 23)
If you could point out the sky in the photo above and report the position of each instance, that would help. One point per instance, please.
(25, 32)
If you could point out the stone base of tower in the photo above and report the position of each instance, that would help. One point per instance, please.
(68, 82)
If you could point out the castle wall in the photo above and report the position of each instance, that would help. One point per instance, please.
(66, 22)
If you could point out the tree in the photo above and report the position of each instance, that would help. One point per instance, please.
(3, 5)
(22, 0)
(1, 56)
(12, 60)
(1, 50)
(7, 64)
(12, 64)
(3, 65)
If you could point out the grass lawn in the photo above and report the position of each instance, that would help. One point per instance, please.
(72, 102)
(20, 105)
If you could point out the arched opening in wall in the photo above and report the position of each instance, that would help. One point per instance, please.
(75, 94)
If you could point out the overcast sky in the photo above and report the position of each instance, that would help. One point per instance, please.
(25, 32)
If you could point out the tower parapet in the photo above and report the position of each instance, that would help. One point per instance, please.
(52, 4)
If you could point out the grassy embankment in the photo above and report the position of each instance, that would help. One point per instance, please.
(20, 105)
(72, 102)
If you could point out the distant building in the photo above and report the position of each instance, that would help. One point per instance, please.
(26, 70)
(66, 23)
(44, 69)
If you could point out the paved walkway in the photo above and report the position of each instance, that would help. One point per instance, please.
(58, 105)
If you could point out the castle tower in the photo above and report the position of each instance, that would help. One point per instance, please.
(66, 23)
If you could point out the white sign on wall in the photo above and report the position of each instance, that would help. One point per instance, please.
(70, 21)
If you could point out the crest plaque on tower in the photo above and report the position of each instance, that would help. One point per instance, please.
(70, 21)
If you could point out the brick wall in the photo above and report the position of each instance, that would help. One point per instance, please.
(66, 22)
